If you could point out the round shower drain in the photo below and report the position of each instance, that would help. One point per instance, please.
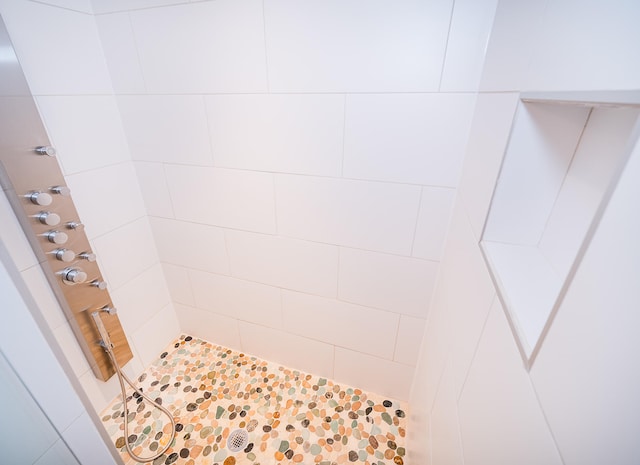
(238, 440)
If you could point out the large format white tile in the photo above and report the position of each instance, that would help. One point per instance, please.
(166, 128)
(287, 349)
(126, 252)
(178, 283)
(373, 374)
(398, 284)
(85, 441)
(340, 323)
(86, 131)
(500, 418)
(106, 198)
(410, 335)
(202, 47)
(151, 338)
(511, 42)
(119, 47)
(361, 214)
(469, 33)
(71, 349)
(154, 188)
(215, 328)
(487, 143)
(287, 263)
(191, 245)
(107, 6)
(59, 49)
(412, 138)
(13, 237)
(222, 197)
(235, 298)
(446, 447)
(346, 46)
(83, 6)
(285, 133)
(43, 295)
(57, 454)
(586, 373)
(596, 52)
(436, 207)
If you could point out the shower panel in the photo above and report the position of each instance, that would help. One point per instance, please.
(35, 186)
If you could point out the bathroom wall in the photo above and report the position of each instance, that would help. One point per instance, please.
(60, 52)
(298, 160)
(472, 400)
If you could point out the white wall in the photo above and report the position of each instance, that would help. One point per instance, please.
(472, 400)
(299, 161)
(61, 55)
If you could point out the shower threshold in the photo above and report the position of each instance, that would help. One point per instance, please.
(289, 416)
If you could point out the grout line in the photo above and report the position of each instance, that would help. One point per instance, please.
(166, 184)
(137, 49)
(395, 345)
(63, 8)
(544, 415)
(446, 48)
(344, 133)
(415, 226)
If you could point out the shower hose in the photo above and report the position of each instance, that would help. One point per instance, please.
(122, 377)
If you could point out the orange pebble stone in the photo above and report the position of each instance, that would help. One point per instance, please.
(297, 458)
(279, 455)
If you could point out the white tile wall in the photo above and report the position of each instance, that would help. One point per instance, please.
(287, 349)
(436, 205)
(412, 138)
(221, 197)
(12, 237)
(218, 329)
(446, 445)
(410, 333)
(85, 441)
(340, 323)
(179, 285)
(371, 373)
(192, 245)
(398, 284)
(107, 6)
(85, 130)
(71, 349)
(287, 263)
(63, 43)
(205, 47)
(285, 133)
(166, 128)
(154, 188)
(235, 298)
(42, 294)
(499, 396)
(159, 331)
(83, 6)
(369, 215)
(338, 46)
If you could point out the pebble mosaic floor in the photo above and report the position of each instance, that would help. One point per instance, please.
(290, 416)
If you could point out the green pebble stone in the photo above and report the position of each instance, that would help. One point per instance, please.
(400, 451)
(251, 456)
(322, 381)
(284, 446)
(363, 443)
(146, 430)
(315, 449)
(219, 412)
(386, 417)
(362, 455)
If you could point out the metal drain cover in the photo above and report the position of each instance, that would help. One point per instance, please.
(238, 440)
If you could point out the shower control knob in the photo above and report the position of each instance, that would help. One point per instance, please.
(109, 310)
(65, 255)
(46, 150)
(48, 218)
(88, 256)
(73, 276)
(75, 225)
(57, 237)
(99, 284)
(40, 198)
(61, 190)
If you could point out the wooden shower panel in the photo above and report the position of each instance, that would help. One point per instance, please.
(23, 173)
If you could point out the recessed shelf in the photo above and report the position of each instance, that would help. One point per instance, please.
(564, 156)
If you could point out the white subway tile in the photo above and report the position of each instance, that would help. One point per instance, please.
(211, 47)
(410, 334)
(191, 245)
(287, 349)
(288, 263)
(285, 133)
(106, 198)
(126, 252)
(119, 47)
(373, 374)
(487, 143)
(179, 285)
(347, 46)
(436, 207)
(141, 298)
(41, 291)
(469, 33)
(235, 298)
(500, 418)
(166, 128)
(152, 337)
(86, 131)
(368, 215)
(217, 329)
(221, 197)
(412, 138)
(154, 188)
(343, 324)
(398, 284)
(59, 49)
